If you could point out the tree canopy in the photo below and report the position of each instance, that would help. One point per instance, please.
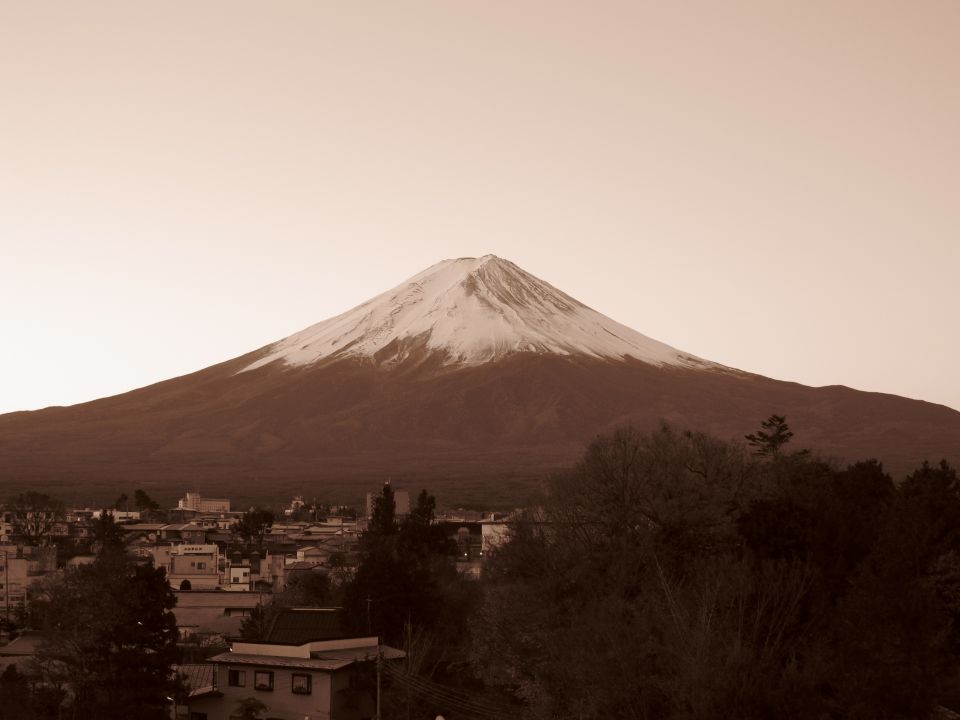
(773, 434)
(406, 573)
(35, 515)
(109, 634)
(253, 526)
(674, 575)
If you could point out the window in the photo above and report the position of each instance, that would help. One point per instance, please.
(302, 684)
(236, 678)
(263, 680)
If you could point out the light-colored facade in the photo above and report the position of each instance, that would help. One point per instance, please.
(197, 564)
(239, 578)
(20, 567)
(303, 682)
(193, 501)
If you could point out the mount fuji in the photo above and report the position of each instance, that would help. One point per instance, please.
(472, 378)
(470, 311)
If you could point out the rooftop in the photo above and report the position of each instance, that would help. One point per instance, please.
(277, 661)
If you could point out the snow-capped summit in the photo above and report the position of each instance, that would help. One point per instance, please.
(472, 311)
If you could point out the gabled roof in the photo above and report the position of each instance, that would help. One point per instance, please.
(295, 626)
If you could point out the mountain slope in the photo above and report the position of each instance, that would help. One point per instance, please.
(471, 311)
(474, 416)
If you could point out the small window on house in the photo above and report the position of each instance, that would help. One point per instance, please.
(263, 680)
(302, 684)
(236, 678)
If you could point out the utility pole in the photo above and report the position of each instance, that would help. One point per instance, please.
(409, 634)
(379, 657)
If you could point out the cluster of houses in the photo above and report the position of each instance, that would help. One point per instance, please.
(198, 550)
(306, 667)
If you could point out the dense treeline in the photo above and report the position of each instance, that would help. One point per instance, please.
(673, 575)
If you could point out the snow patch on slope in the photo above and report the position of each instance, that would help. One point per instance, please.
(473, 310)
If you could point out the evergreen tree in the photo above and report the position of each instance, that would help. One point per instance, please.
(110, 635)
(406, 574)
(144, 502)
(770, 439)
(383, 519)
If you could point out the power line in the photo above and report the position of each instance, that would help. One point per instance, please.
(451, 698)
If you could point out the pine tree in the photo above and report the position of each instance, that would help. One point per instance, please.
(110, 634)
(770, 439)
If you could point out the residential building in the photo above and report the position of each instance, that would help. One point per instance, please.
(306, 669)
(20, 567)
(194, 567)
(214, 611)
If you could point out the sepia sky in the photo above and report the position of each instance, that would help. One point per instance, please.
(770, 185)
